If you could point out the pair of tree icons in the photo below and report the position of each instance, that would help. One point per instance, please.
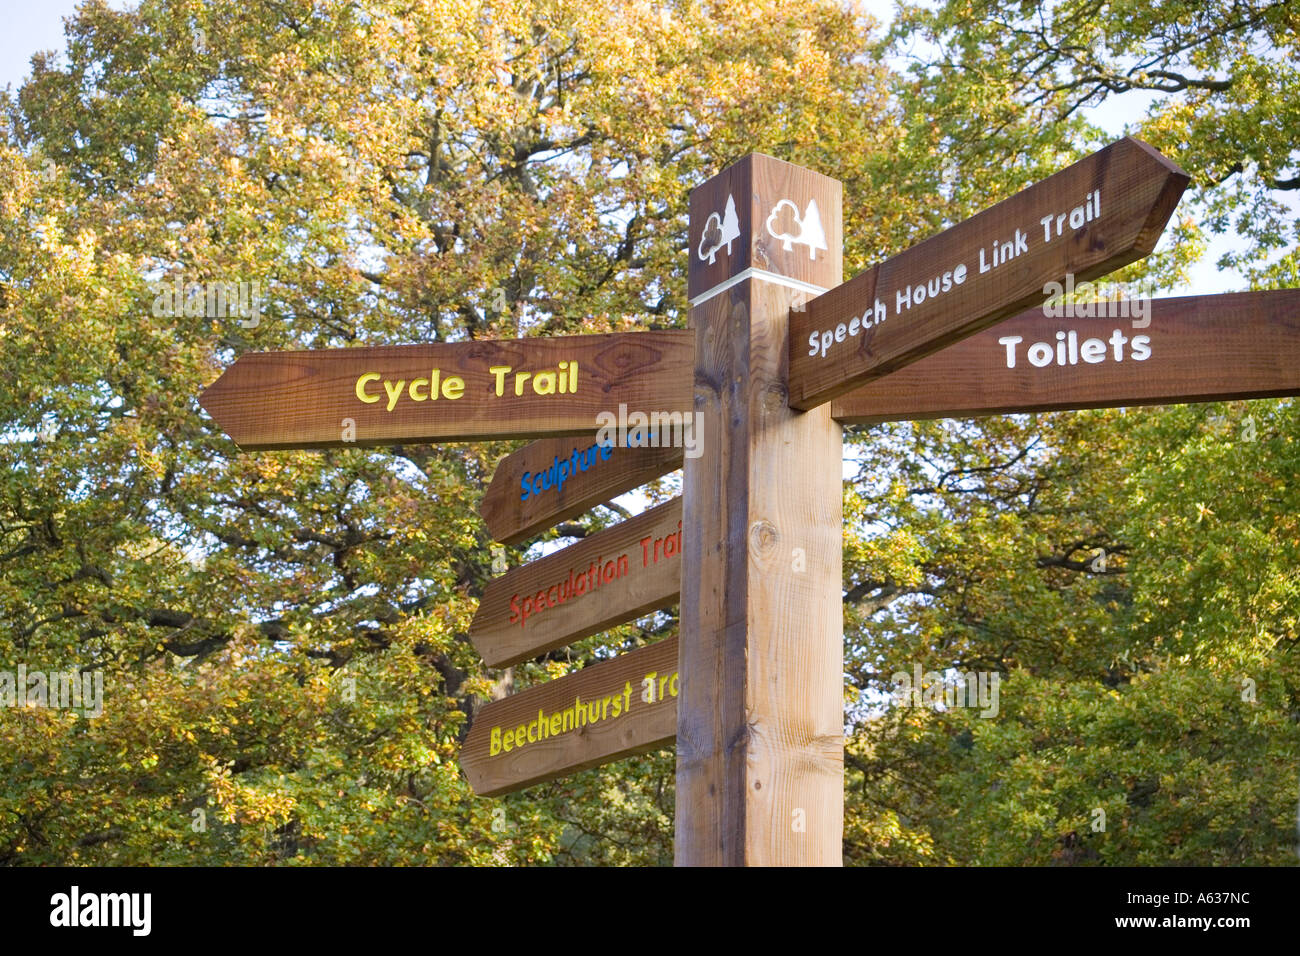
(784, 223)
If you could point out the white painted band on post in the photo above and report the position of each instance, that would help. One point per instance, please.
(753, 273)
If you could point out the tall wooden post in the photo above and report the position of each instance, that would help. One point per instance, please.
(760, 745)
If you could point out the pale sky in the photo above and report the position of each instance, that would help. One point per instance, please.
(29, 25)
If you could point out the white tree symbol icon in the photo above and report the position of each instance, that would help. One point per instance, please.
(719, 231)
(809, 225)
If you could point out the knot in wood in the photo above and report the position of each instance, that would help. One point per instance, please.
(762, 540)
(775, 398)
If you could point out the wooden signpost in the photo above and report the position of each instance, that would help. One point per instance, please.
(1199, 348)
(751, 689)
(615, 575)
(511, 388)
(760, 748)
(551, 480)
(1105, 211)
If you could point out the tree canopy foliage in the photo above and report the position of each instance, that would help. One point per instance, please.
(282, 635)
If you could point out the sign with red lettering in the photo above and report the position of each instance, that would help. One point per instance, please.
(613, 576)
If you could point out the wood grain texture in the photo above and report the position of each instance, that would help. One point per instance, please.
(645, 578)
(1201, 348)
(760, 717)
(1134, 190)
(645, 679)
(553, 479)
(270, 400)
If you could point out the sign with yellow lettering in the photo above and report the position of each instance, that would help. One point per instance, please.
(613, 709)
(508, 388)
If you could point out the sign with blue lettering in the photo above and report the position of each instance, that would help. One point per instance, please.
(554, 479)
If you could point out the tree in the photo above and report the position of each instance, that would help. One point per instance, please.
(282, 636)
(1135, 727)
(1219, 79)
(811, 232)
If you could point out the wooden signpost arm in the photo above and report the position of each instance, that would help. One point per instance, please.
(610, 710)
(551, 480)
(760, 717)
(448, 391)
(613, 576)
(1198, 348)
(1105, 211)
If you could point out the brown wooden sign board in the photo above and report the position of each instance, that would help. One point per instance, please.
(606, 711)
(508, 388)
(614, 576)
(1189, 349)
(1105, 211)
(553, 479)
